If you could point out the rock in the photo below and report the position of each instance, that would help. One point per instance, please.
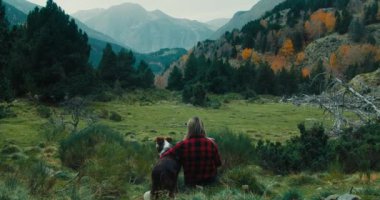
(348, 197)
(332, 197)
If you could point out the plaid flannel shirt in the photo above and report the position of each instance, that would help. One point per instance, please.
(199, 157)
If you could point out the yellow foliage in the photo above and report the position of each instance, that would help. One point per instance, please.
(287, 48)
(184, 58)
(246, 53)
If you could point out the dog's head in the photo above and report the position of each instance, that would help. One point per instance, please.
(163, 144)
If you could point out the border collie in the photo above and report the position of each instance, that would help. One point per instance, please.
(164, 173)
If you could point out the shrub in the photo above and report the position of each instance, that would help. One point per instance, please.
(5, 112)
(359, 150)
(292, 195)
(238, 177)
(236, 149)
(115, 117)
(39, 179)
(11, 188)
(214, 104)
(310, 151)
(79, 147)
(44, 111)
(54, 129)
(195, 94)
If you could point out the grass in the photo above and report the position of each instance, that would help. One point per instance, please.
(144, 121)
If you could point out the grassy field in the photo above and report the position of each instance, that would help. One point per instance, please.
(143, 121)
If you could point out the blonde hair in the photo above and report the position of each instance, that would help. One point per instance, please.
(195, 127)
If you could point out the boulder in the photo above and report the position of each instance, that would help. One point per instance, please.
(348, 197)
(332, 197)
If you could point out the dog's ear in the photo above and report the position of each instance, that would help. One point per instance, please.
(169, 139)
(160, 140)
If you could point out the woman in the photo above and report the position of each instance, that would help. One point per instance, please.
(197, 154)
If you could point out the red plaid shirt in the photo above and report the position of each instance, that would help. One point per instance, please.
(199, 157)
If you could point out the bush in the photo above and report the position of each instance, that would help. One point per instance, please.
(78, 148)
(292, 195)
(359, 150)
(310, 151)
(214, 104)
(40, 179)
(236, 149)
(195, 94)
(5, 112)
(44, 111)
(115, 117)
(11, 188)
(238, 177)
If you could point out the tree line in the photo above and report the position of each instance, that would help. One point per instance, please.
(201, 76)
(48, 56)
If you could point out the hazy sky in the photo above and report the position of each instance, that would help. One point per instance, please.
(201, 10)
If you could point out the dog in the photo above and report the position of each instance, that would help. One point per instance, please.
(165, 172)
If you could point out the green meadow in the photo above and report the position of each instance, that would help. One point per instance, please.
(143, 120)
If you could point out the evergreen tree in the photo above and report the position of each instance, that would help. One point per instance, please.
(108, 67)
(175, 80)
(145, 75)
(245, 77)
(191, 69)
(318, 79)
(370, 13)
(58, 53)
(5, 93)
(218, 77)
(342, 21)
(124, 68)
(357, 30)
(265, 81)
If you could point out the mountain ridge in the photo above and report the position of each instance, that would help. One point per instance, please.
(146, 31)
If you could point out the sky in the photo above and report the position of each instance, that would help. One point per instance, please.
(201, 10)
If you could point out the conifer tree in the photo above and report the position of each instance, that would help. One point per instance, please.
(145, 75)
(175, 80)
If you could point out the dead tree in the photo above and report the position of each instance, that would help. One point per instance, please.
(340, 100)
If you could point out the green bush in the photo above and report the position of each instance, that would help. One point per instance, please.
(39, 179)
(214, 104)
(80, 147)
(44, 111)
(239, 176)
(292, 195)
(235, 149)
(359, 150)
(195, 94)
(310, 151)
(115, 117)
(11, 188)
(5, 112)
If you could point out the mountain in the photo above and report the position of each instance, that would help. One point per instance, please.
(13, 15)
(142, 30)
(217, 23)
(243, 17)
(22, 5)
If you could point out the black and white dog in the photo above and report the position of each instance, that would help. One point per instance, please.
(164, 173)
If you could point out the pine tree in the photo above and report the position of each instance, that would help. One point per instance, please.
(191, 69)
(265, 81)
(318, 79)
(124, 68)
(145, 75)
(370, 13)
(108, 67)
(356, 30)
(175, 80)
(245, 77)
(342, 21)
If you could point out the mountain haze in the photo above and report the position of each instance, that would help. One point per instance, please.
(217, 23)
(142, 30)
(243, 17)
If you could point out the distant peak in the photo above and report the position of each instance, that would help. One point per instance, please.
(128, 5)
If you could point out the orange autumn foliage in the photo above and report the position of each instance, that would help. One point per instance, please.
(300, 58)
(327, 18)
(278, 63)
(333, 61)
(287, 48)
(305, 72)
(246, 53)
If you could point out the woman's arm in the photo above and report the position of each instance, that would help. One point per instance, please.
(175, 151)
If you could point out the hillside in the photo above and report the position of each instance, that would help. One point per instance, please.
(298, 35)
(217, 23)
(145, 31)
(243, 17)
(13, 15)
